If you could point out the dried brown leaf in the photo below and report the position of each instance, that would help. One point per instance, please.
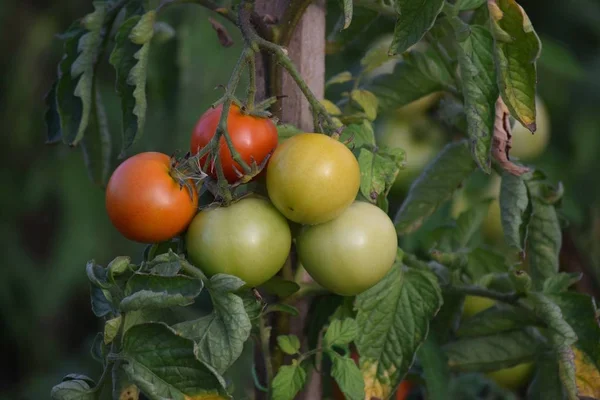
(224, 37)
(501, 143)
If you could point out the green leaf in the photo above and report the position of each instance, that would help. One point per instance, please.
(122, 387)
(378, 171)
(514, 202)
(561, 282)
(489, 353)
(414, 20)
(348, 376)
(492, 321)
(340, 332)
(359, 135)
(219, 336)
(431, 65)
(288, 381)
(280, 287)
(253, 306)
(155, 291)
(111, 327)
(482, 262)
(166, 264)
(463, 5)
(566, 372)
(162, 364)
(117, 266)
(137, 317)
(375, 57)
(435, 369)
(517, 47)
(468, 224)
(367, 101)
(543, 243)
(347, 7)
(75, 89)
(98, 349)
(52, 118)
(342, 77)
(286, 131)
(393, 320)
(477, 70)
(129, 58)
(330, 107)
(104, 295)
(434, 186)
(74, 388)
(546, 383)
(289, 344)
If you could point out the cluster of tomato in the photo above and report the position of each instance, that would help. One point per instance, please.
(312, 181)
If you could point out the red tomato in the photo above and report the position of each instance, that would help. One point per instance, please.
(145, 203)
(253, 137)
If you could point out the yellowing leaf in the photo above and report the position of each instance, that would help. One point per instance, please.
(587, 375)
(331, 108)
(130, 392)
(377, 387)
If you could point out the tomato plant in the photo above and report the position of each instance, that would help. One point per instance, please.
(312, 178)
(145, 202)
(249, 239)
(426, 292)
(253, 137)
(360, 244)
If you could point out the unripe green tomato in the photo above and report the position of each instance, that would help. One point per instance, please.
(249, 239)
(419, 138)
(513, 378)
(312, 178)
(476, 304)
(527, 146)
(351, 253)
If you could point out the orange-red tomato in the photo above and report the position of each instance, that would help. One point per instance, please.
(401, 394)
(145, 203)
(252, 137)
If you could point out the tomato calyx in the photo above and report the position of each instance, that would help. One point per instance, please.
(186, 173)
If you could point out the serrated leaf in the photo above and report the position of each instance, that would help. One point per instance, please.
(514, 201)
(289, 344)
(543, 242)
(155, 291)
(340, 332)
(492, 321)
(111, 327)
(52, 118)
(129, 58)
(288, 381)
(348, 377)
(367, 101)
(280, 287)
(166, 264)
(414, 20)
(162, 364)
(219, 336)
(561, 282)
(463, 5)
(133, 318)
(434, 186)
(435, 369)
(358, 135)
(477, 70)
(286, 131)
(73, 389)
(378, 171)
(492, 352)
(517, 47)
(342, 77)
(393, 320)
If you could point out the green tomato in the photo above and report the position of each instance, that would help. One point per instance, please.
(512, 378)
(527, 146)
(249, 239)
(476, 304)
(351, 253)
(312, 178)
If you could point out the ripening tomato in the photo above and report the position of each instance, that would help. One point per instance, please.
(253, 137)
(145, 203)
(351, 253)
(249, 239)
(312, 178)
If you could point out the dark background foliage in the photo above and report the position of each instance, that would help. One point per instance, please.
(53, 216)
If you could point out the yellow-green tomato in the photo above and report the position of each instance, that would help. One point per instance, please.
(527, 146)
(475, 304)
(312, 178)
(249, 239)
(512, 378)
(351, 253)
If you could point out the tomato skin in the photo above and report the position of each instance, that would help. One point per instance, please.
(249, 239)
(145, 203)
(312, 178)
(253, 137)
(351, 253)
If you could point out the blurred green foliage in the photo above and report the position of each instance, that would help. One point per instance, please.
(53, 217)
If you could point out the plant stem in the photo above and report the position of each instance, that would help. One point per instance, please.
(265, 339)
(251, 92)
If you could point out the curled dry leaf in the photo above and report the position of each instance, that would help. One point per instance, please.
(224, 37)
(501, 142)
